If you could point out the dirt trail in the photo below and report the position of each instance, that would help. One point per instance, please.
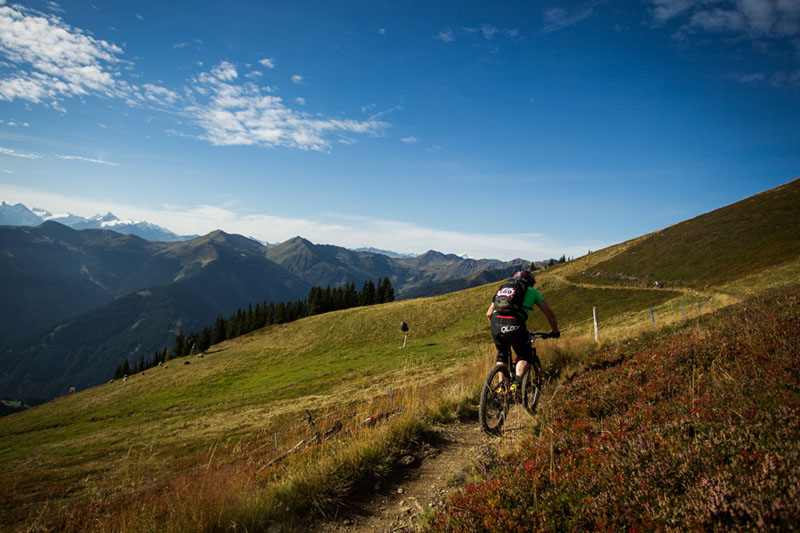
(432, 473)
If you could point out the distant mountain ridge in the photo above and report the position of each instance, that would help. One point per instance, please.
(20, 215)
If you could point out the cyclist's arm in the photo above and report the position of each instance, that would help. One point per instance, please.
(548, 313)
(489, 312)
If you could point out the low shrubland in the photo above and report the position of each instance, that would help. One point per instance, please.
(693, 427)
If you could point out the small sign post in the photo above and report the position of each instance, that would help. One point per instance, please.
(596, 331)
(404, 329)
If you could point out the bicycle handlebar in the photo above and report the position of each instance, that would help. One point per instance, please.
(542, 335)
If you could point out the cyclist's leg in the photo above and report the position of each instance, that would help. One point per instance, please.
(501, 342)
(522, 347)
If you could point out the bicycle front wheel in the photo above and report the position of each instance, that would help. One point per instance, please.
(532, 386)
(494, 401)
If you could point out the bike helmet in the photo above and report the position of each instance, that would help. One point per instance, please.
(526, 276)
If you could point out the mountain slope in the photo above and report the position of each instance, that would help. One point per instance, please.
(753, 234)
(51, 272)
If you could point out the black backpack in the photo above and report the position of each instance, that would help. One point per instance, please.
(509, 297)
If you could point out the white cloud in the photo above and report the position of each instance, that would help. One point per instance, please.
(409, 140)
(663, 10)
(21, 155)
(488, 31)
(52, 60)
(300, 100)
(341, 230)
(268, 62)
(225, 71)
(747, 78)
(297, 79)
(152, 94)
(557, 18)
(774, 19)
(382, 31)
(86, 159)
(445, 36)
(246, 114)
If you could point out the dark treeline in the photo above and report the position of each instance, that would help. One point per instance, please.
(320, 300)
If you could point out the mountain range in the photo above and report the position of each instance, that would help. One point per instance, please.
(20, 215)
(80, 302)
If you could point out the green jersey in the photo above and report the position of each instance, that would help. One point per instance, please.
(532, 297)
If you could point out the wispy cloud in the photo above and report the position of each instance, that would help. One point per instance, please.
(557, 18)
(753, 19)
(21, 155)
(746, 78)
(298, 79)
(489, 31)
(300, 100)
(27, 155)
(445, 36)
(268, 62)
(233, 113)
(86, 159)
(409, 140)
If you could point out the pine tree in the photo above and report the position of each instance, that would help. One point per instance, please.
(386, 291)
(367, 294)
(219, 333)
(204, 339)
(180, 344)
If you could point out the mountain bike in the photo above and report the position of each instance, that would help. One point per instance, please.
(496, 399)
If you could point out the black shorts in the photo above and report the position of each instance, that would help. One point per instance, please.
(510, 333)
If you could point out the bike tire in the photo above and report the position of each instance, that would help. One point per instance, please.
(532, 386)
(493, 407)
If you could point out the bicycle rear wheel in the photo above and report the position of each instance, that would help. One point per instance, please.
(494, 401)
(532, 386)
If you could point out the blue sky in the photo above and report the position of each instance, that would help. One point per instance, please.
(508, 129)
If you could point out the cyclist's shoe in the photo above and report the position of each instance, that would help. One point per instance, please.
(516, 389)
(501, 389)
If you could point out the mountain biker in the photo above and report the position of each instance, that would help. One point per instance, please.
(509, 324)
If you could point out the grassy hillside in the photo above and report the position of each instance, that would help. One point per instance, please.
(751, 235)
(694, 428)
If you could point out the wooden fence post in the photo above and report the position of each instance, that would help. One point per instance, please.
(596, 330)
